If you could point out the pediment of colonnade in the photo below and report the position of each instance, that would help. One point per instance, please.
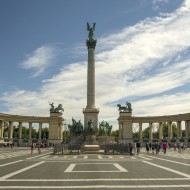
(33, 119)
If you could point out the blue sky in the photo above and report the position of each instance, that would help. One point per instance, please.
(142, 55)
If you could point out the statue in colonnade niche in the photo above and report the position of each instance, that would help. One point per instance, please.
(58, 109)
(127, 108)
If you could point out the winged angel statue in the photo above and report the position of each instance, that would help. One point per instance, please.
(91, 31)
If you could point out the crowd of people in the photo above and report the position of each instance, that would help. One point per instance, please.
(156, 147)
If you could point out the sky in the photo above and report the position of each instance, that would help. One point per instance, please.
(142, 56)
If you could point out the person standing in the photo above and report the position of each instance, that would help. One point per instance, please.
(138, 147)
(164, 146)
(147, 147)
(134, 148)
(153, 147)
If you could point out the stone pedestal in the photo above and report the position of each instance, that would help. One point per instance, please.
(90, 148)
(91, 144)
(125, 122)
(91, 140)
(102, 140)
(55, 128)
(91, 114)
(77, 140)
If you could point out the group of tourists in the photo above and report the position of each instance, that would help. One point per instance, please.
(37, 145)
(180, 146)
(155, 147)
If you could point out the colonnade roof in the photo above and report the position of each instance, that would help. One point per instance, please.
(33, 119)
(165, 118)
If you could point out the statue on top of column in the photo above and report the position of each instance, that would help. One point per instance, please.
(91, 42)
(91, 31)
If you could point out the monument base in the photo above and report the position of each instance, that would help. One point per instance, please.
(91, 145)
(91, 148)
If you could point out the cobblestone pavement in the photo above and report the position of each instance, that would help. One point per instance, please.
(21, 170)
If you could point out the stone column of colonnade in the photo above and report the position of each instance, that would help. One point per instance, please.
(10, 131)
(140, 131)
(150, 131)
(179, 131)
(187, 129)
(170, 132)
(160, 130)
(20, 132)
(40, 132)
(120, 130)
(1, 130)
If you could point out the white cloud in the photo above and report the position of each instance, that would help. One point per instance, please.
(39, 60)
(144, 60)
(156, 4)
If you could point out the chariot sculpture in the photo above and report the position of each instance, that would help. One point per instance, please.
(58, 109)
(127, 108)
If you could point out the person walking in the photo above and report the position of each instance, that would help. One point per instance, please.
(153, 147)
(150, 146)
(175, 146)
(147, 147)
(38, 146)
(157, 147)
(130, 149)
(32, 147)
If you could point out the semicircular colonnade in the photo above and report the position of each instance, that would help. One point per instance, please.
(55, 122)
(126, 120)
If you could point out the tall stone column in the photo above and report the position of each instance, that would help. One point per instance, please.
(160, 130)
(140, 130)
(91, 112)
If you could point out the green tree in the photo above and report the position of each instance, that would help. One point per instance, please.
(145, 133)
(66, 136)
(174, 130)
(115, 134)
(5, 133)
(165, 130)
(45, 133)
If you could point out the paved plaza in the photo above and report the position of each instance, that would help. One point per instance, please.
(21, 170)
